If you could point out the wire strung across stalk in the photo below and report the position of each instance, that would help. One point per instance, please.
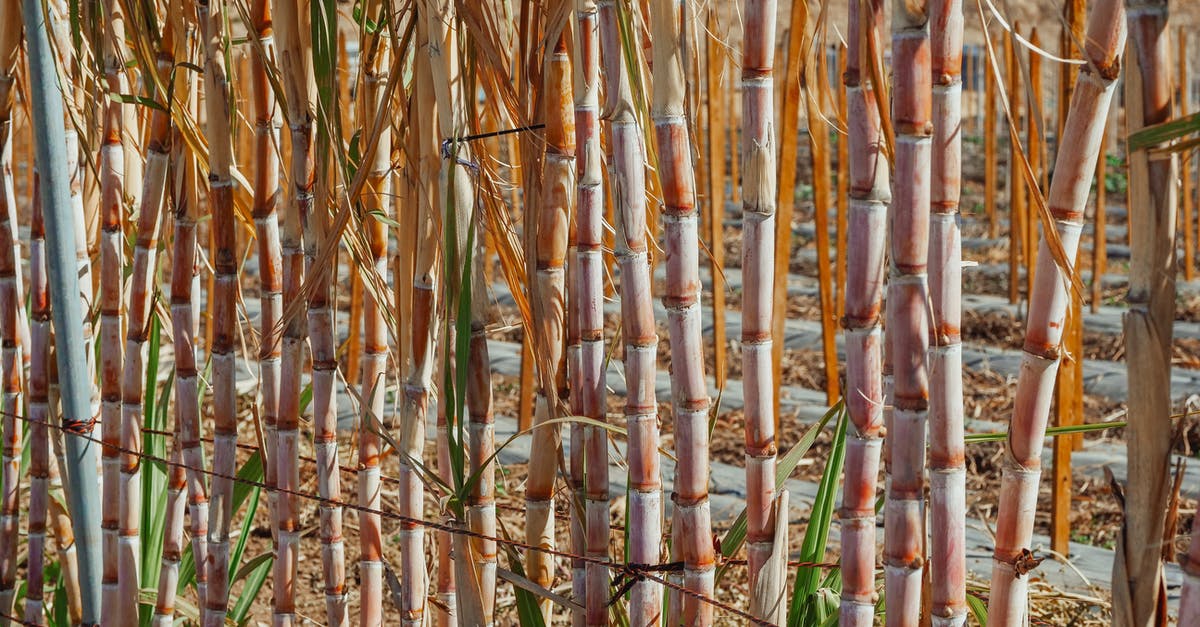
(641, 571)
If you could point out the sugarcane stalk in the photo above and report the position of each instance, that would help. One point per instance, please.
(1034, 147)
(767, 561)
(481, 502)
(62, 34)
(1008, 604)
(904, 508)
(224, 321)
(185, 316)
(375, 61)
(1100, 226)
(456, 192)
(266, 223)
(418, 385)
(670, 20)
(59, 518)
(81, 454)
(549, 254)
(640, 337)
(295, 62)
(586, 282)
(143, 287)
(119, 178)
(1138, 588)
(947, 461)
(10, 350)
(843, 193)
(321, 271)
(112, 302)
(869, 195)
(39, 412)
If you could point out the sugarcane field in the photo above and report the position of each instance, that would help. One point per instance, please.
(447, 313)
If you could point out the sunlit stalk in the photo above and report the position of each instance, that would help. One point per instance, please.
(294, 58)
(224, 321)
(759, 145)
(947, 466)
(185, 314)
(586, 299)
(671, 21)
(481, 503)
(374, 61)
(266, 224)
(628, 176)
(418, 383)
(112, 303)
(1008, 604)
(869, 195)
(549, 314)
(904, 510)
(46, 106)
(143, 282)
(320, 271)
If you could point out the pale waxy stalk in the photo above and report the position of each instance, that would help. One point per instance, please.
(143, 281)
(266, 225)
(904, 549)
(586, 299)
(376, 199)
(46, 509)
(692, 517)
(1022, 468)
(116, 126)
(47, 110)
(767, 560)
(481, 503)
(869, 195)
(225, 288)
(455, 206)
(628, 176)
(424, 323)
(294, 59)
(10, 286)
(39, 412)
(185, 314)
(947, 462)
(320, 273)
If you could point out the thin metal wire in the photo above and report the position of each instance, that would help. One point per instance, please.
(504, 506)
(625, 570)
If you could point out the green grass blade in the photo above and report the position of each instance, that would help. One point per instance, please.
(1000, 436)
(978, 609)
(255, 573)
(736, 536)
(247, 524)
(529, 614)
(1159, 134)
(154, 475)
(804, 607)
